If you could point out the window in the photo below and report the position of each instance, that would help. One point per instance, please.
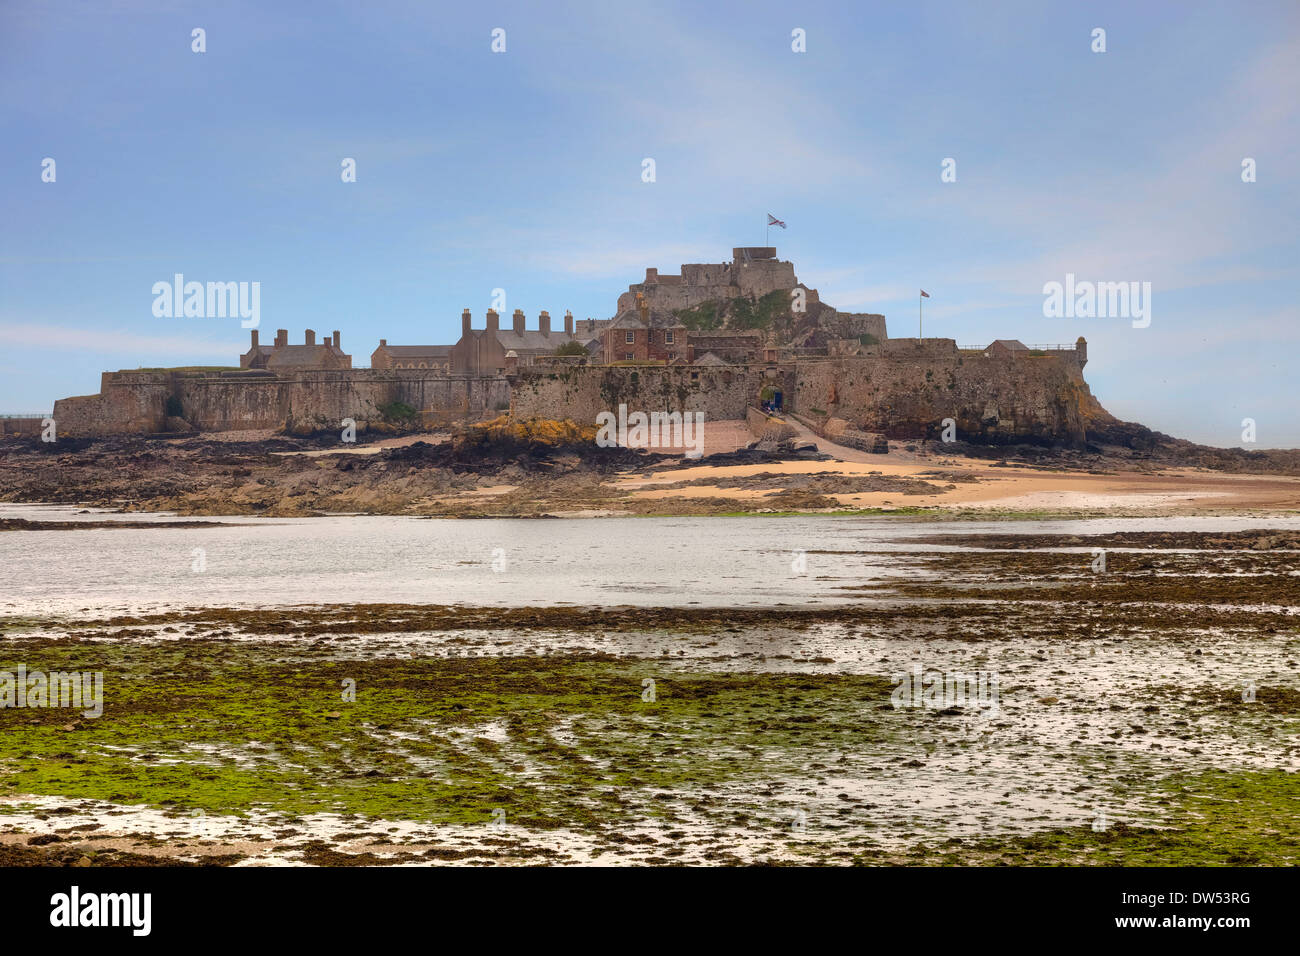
(629, 337)
(668, 337)
(628, 356)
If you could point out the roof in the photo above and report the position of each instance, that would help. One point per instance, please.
(708, 358)
(300, 354)
(1014, 345)
(532, 340)
(416, 351)
(658, 320)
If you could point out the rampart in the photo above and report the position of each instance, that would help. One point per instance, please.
(143, 402)
(905, 388)
(720, 392)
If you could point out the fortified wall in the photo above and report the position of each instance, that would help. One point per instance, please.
(142, 402)
(582, 392)
(903, 388)
(906, 388)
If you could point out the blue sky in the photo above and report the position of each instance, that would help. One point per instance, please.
(522, 171)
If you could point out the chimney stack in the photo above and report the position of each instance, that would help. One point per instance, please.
(493, 320)
(465, 322)
(568, 322)
(383, 343)
(544, 323)
(309, 337)
(519, 321)
(281, 338)
(254, 340)
(337, 338)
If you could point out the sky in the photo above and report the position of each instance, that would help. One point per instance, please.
(522, 171)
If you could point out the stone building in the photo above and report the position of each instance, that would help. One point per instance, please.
(283, 356)
(483, 351)
(644, 335)
(732, 347)
(411, 356)
(754, 271)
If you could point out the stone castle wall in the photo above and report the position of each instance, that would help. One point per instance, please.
(903, 388)
(324, 398)
(127, 403)
(907, 393)
(704, 282)
(580, 394)
(137, 402)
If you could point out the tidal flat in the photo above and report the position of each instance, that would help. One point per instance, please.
(1146, 714)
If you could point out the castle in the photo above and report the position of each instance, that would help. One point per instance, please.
(717, 338)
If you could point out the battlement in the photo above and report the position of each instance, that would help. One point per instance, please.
(753, 271)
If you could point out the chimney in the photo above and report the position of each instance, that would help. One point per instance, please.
(309, 337)
(254, 340)
(651, 275)
(493, 320)
(337, 338)
(281, 338)
(544, 323)
(519, 321)
(465, 322)
(568, 322)
(383, 343)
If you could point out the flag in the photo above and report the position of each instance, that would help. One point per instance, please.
(773, 221)
(925, 294)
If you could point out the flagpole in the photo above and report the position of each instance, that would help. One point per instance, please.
(918, 317)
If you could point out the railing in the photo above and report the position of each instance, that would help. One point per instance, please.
(26, 414)
(1028, 348)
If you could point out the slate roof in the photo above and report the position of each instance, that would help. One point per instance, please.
(532, 340)
(658, 320)
(416, 351)
(306, 356)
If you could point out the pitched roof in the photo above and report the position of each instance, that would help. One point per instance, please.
(416, 351)
(1014, 345)
(532, 340)
(708, 358)
(630, 319)
(301, 354)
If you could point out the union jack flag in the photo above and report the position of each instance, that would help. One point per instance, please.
(773, 221)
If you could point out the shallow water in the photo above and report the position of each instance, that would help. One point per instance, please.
(382, 559)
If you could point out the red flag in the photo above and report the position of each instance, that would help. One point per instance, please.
(925, 294)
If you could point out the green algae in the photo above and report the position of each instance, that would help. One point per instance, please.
(230, 728)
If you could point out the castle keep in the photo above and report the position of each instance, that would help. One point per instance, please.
(718, 338)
